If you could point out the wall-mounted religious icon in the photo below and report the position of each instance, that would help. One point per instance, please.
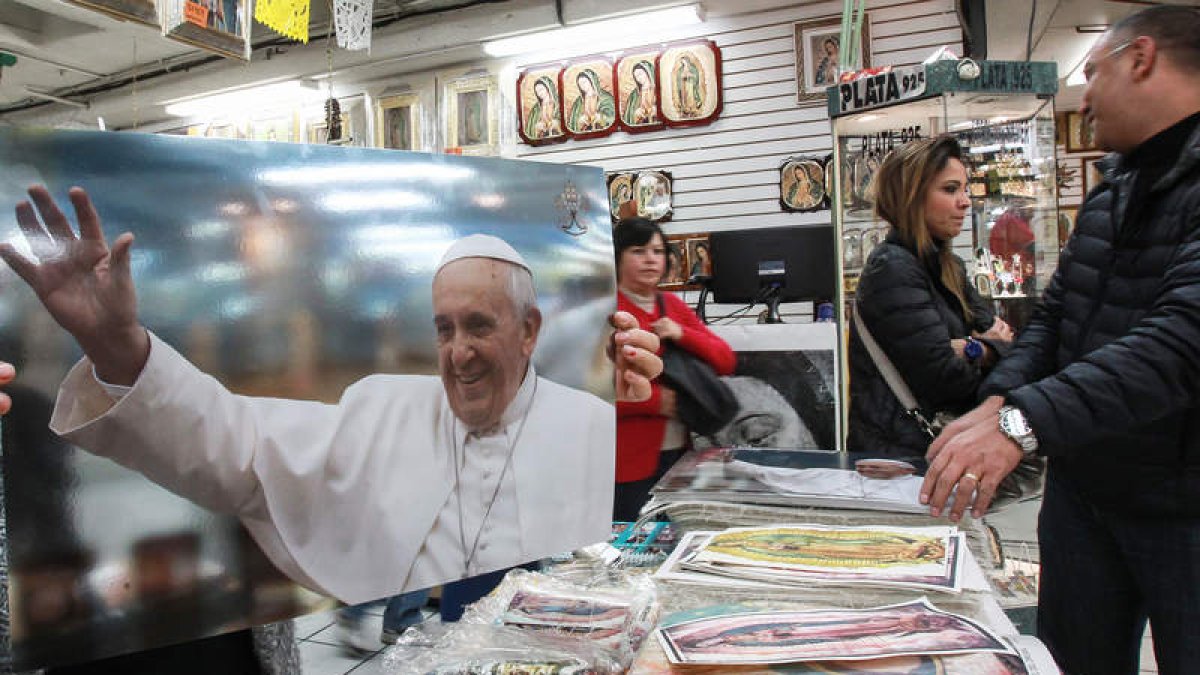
(689, 83)
(620, 192)
(539, 106)
(398, 121)
(638, 104)
(471, 117)
(589, 108)
(802, 184)
(652, 190)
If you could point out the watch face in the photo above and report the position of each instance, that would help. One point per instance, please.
(1015, 421)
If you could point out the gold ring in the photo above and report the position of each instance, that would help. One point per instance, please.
(971, 476)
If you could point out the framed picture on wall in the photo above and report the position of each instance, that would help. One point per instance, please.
(471, 115)
(1079, 134)
(677, 264)
(638, 104)
(1091, 173)
(539, 106)
(689, 83)
(398, 122)
(818, 47)
(140, 11)
(802, 184)
(652, 190)
(589, 106)
(699, 256)
(620, 194)
(220, 26)
(1066, 223)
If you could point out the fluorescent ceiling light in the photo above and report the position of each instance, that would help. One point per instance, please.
(279, 94)
(605, 31)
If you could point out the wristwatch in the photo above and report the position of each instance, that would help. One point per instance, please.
(973, 350)
(1015, 426)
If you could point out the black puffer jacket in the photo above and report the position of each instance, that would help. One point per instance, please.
(1108, 371)
(913, 317)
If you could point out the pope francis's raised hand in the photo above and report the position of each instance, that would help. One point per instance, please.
(85, 285)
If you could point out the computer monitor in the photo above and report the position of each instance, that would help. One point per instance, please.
(772, 265)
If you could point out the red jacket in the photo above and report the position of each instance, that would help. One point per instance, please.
(640, 426)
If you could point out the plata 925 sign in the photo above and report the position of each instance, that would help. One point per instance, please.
(898, 84)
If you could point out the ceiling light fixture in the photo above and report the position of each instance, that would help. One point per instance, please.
(279, 94)
(597, 35)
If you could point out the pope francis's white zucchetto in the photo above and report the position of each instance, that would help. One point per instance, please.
(482, 246)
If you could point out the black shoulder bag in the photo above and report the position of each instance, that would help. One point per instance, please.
(703, 402)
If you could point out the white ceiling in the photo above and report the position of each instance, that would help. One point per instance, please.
(123, 70)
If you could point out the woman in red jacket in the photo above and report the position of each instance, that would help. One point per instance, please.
(650, 437)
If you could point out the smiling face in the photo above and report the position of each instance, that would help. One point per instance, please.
(484, 345)
(947, 201)
(642, 267)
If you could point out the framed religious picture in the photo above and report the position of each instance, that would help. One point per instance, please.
(589, 108)
(539, 106)
(638, 104)
(471, 117)
(689, 83)
(1079, 134)
(652, 191)
(699, 256)
(818, 46)
(220, 26)
(140, 11)
(802, 184)
(398, 122)
(1066, 223)
(620, 194)
(678, 266)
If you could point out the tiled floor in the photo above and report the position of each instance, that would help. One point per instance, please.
(321, 653)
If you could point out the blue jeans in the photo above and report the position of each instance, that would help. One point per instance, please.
(1104, 573)
(402, 610)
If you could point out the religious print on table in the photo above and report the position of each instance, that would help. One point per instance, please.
(589, 107)
(398, 122)
(802, 184)
(539, 106)
(141, 11)
(220, 26)
(689, 83)
(290, 295)
(638, 104)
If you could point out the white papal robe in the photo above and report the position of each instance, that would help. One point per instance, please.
(342, 497)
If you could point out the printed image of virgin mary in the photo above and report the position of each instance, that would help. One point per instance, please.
(542, 120)
(641, 106)
(595, 109)
(687, 82)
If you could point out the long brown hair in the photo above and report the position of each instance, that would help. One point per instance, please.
(899, 188)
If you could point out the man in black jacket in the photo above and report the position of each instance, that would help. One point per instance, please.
(1103, 381)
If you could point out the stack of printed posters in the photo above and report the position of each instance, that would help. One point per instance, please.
(794, 477)
(912, 637)
(601, 620)
(922, 558)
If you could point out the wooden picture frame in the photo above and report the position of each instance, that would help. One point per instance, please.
(654, 191)
(817, 44)
(698, 265)
(620, 193)
(802, 184)
(589, 107)
(639, 107)
(690, 83)
(539, 105)
(678, 274)
(1079, 136)
(219, 26)
(139, 11)
(472, 113)
(398, 122)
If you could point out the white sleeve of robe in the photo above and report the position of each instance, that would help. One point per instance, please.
(340, 497)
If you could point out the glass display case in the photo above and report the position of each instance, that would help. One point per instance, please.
(1002, 112)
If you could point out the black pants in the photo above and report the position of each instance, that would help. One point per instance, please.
(628, 498)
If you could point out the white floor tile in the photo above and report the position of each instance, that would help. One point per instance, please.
(322, 659)
(310, 624)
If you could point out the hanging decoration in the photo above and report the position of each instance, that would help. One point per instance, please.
(286, 17)
(352, 23)
(219, 27)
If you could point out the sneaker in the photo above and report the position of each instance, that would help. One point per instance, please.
(356, 637)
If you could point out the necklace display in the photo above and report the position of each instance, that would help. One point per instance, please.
(459, 458)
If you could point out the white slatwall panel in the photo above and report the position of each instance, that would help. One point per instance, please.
(726, 174)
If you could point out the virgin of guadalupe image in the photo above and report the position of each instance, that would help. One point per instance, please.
(595, 109)
(687, 82)
(834, 629)
(805, 191)
(542, 120)
(822, 548)
(641, 106)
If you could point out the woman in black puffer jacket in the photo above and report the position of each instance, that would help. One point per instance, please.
(915, 299)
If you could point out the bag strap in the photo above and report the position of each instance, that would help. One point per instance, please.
(894, 379)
